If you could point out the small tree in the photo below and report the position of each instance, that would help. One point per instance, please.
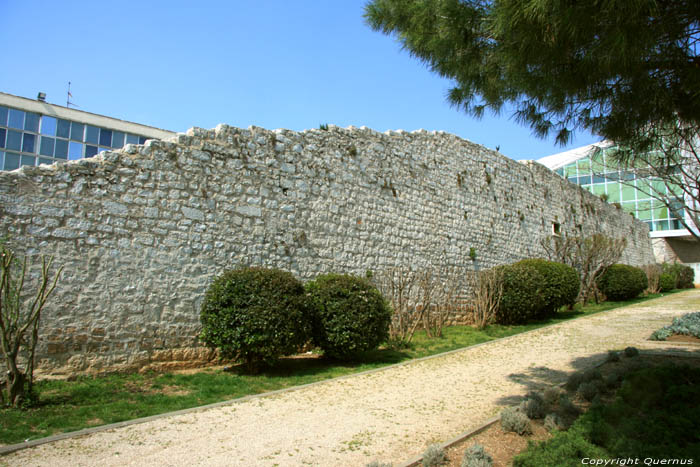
(441, 303)
(20, 314)
(487, 290)
(400, 287)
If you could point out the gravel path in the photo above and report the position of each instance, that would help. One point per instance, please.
(389, 415)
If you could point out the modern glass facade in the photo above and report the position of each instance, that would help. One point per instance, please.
(28, 138)
(630, 188)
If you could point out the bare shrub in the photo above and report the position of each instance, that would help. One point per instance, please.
(653, 272)
(445, 284)
(590, 256)
(401, 287)
(487, 290)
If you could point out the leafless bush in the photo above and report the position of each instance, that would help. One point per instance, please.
(653, 271)
(400, 287)
(445, 284)
(590, 256)
(487, 290)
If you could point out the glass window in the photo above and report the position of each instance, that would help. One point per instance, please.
(644, 210)
(3, 118)
(613, 191)
(661, 225)
(3, 132)
(75, 151)
(105, 137)
(90, 150)
(142, 139)
(573, 179)
(31, 122)
(676, 224)
(61, 149)
(598, 189)
(43, 161)
(28, 160)
(132, 139)
(76, 131)
(11, 161)
(46, 147)
(48, 126)
(560, 171)
(660, 210)
(598, 179)
(2, 160)
(117, 139)
(628, 193)
(584, 165)
(63, 129)
(92, 134)
(29, 142)
(14, 140)
(16, 119)
(651, 226)
(584, 180)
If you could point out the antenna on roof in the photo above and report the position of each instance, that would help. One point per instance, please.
(68, 102)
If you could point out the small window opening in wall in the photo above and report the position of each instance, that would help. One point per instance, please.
(556, 229)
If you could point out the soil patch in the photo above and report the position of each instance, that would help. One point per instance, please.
(683, 338)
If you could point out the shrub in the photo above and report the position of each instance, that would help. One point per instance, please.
(378, 464)
(255, 314)
(551, 395)
(522, 299)
(534, 406)
(653, 272)
(573, 381)
(475, 456)
(666, 282)
(622, 282)
(553, 422)
(631, 352)
(613, 356)
(588, 390)
(683, 275)
(433, 456)
(560, 284)
(513, 419)
(688, 325)
(568, 408)
(350, 315)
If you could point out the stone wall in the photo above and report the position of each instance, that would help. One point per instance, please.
(142, 231)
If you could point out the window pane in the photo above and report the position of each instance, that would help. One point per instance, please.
(132, 139)
(14, 140)
(651, 226)
(61, 149)
(584, 165)
(46, 148)
(75, 151)
(90, 150)
(11, 161)
(29, 143)
(584, 180)
(613, 192)
(28, 160)
(598, 179)
(76, 131)
(598, 189)
(676, 224)
(105, 137)
(3, 117)
(117, 139)
(3, 132)
(45, 161)
(48, 126)
(661, 225)
(2, 160)
(573, 179)
(142, 139)
(63, 129)
(16, 119)
(660, 210)
(644, 210)
(628, 193)
(92, 134)
(31, 122)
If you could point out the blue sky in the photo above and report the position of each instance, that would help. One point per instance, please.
(275, 64)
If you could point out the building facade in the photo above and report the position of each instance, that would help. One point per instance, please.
(34, 132)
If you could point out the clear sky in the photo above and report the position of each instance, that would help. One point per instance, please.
(271, 63)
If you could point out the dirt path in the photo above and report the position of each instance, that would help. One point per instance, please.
(389, 415)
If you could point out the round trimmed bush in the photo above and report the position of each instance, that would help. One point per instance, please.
(522, 299)
(622, 282)
(350, 315)
(561, 284)
(666, 282)
(683, 275)
(256, 315)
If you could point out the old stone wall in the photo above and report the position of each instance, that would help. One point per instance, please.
(142, 231)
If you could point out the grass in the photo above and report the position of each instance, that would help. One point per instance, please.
(90, 401)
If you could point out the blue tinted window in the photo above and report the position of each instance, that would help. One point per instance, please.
(584, 180)
(76, 131)
(45, 161)
(28, 160)
(11, 161)
(117, 139)
(92, 134)
(661, 225)
(3, 118)
(75, 151)
(16, 119)
(142, 139)
(132, 139)
(61, 149)
(105, 137)
(48, 126)
(676, 224)
(14, 140)
(46, 147)
(31, 122)
(3, 132)
(63, 129)
(598, 179)
(2, 160)
(573, 179)
(90, 150)
(29, 143)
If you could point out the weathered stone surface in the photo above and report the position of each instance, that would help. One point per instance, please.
(139, 258)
